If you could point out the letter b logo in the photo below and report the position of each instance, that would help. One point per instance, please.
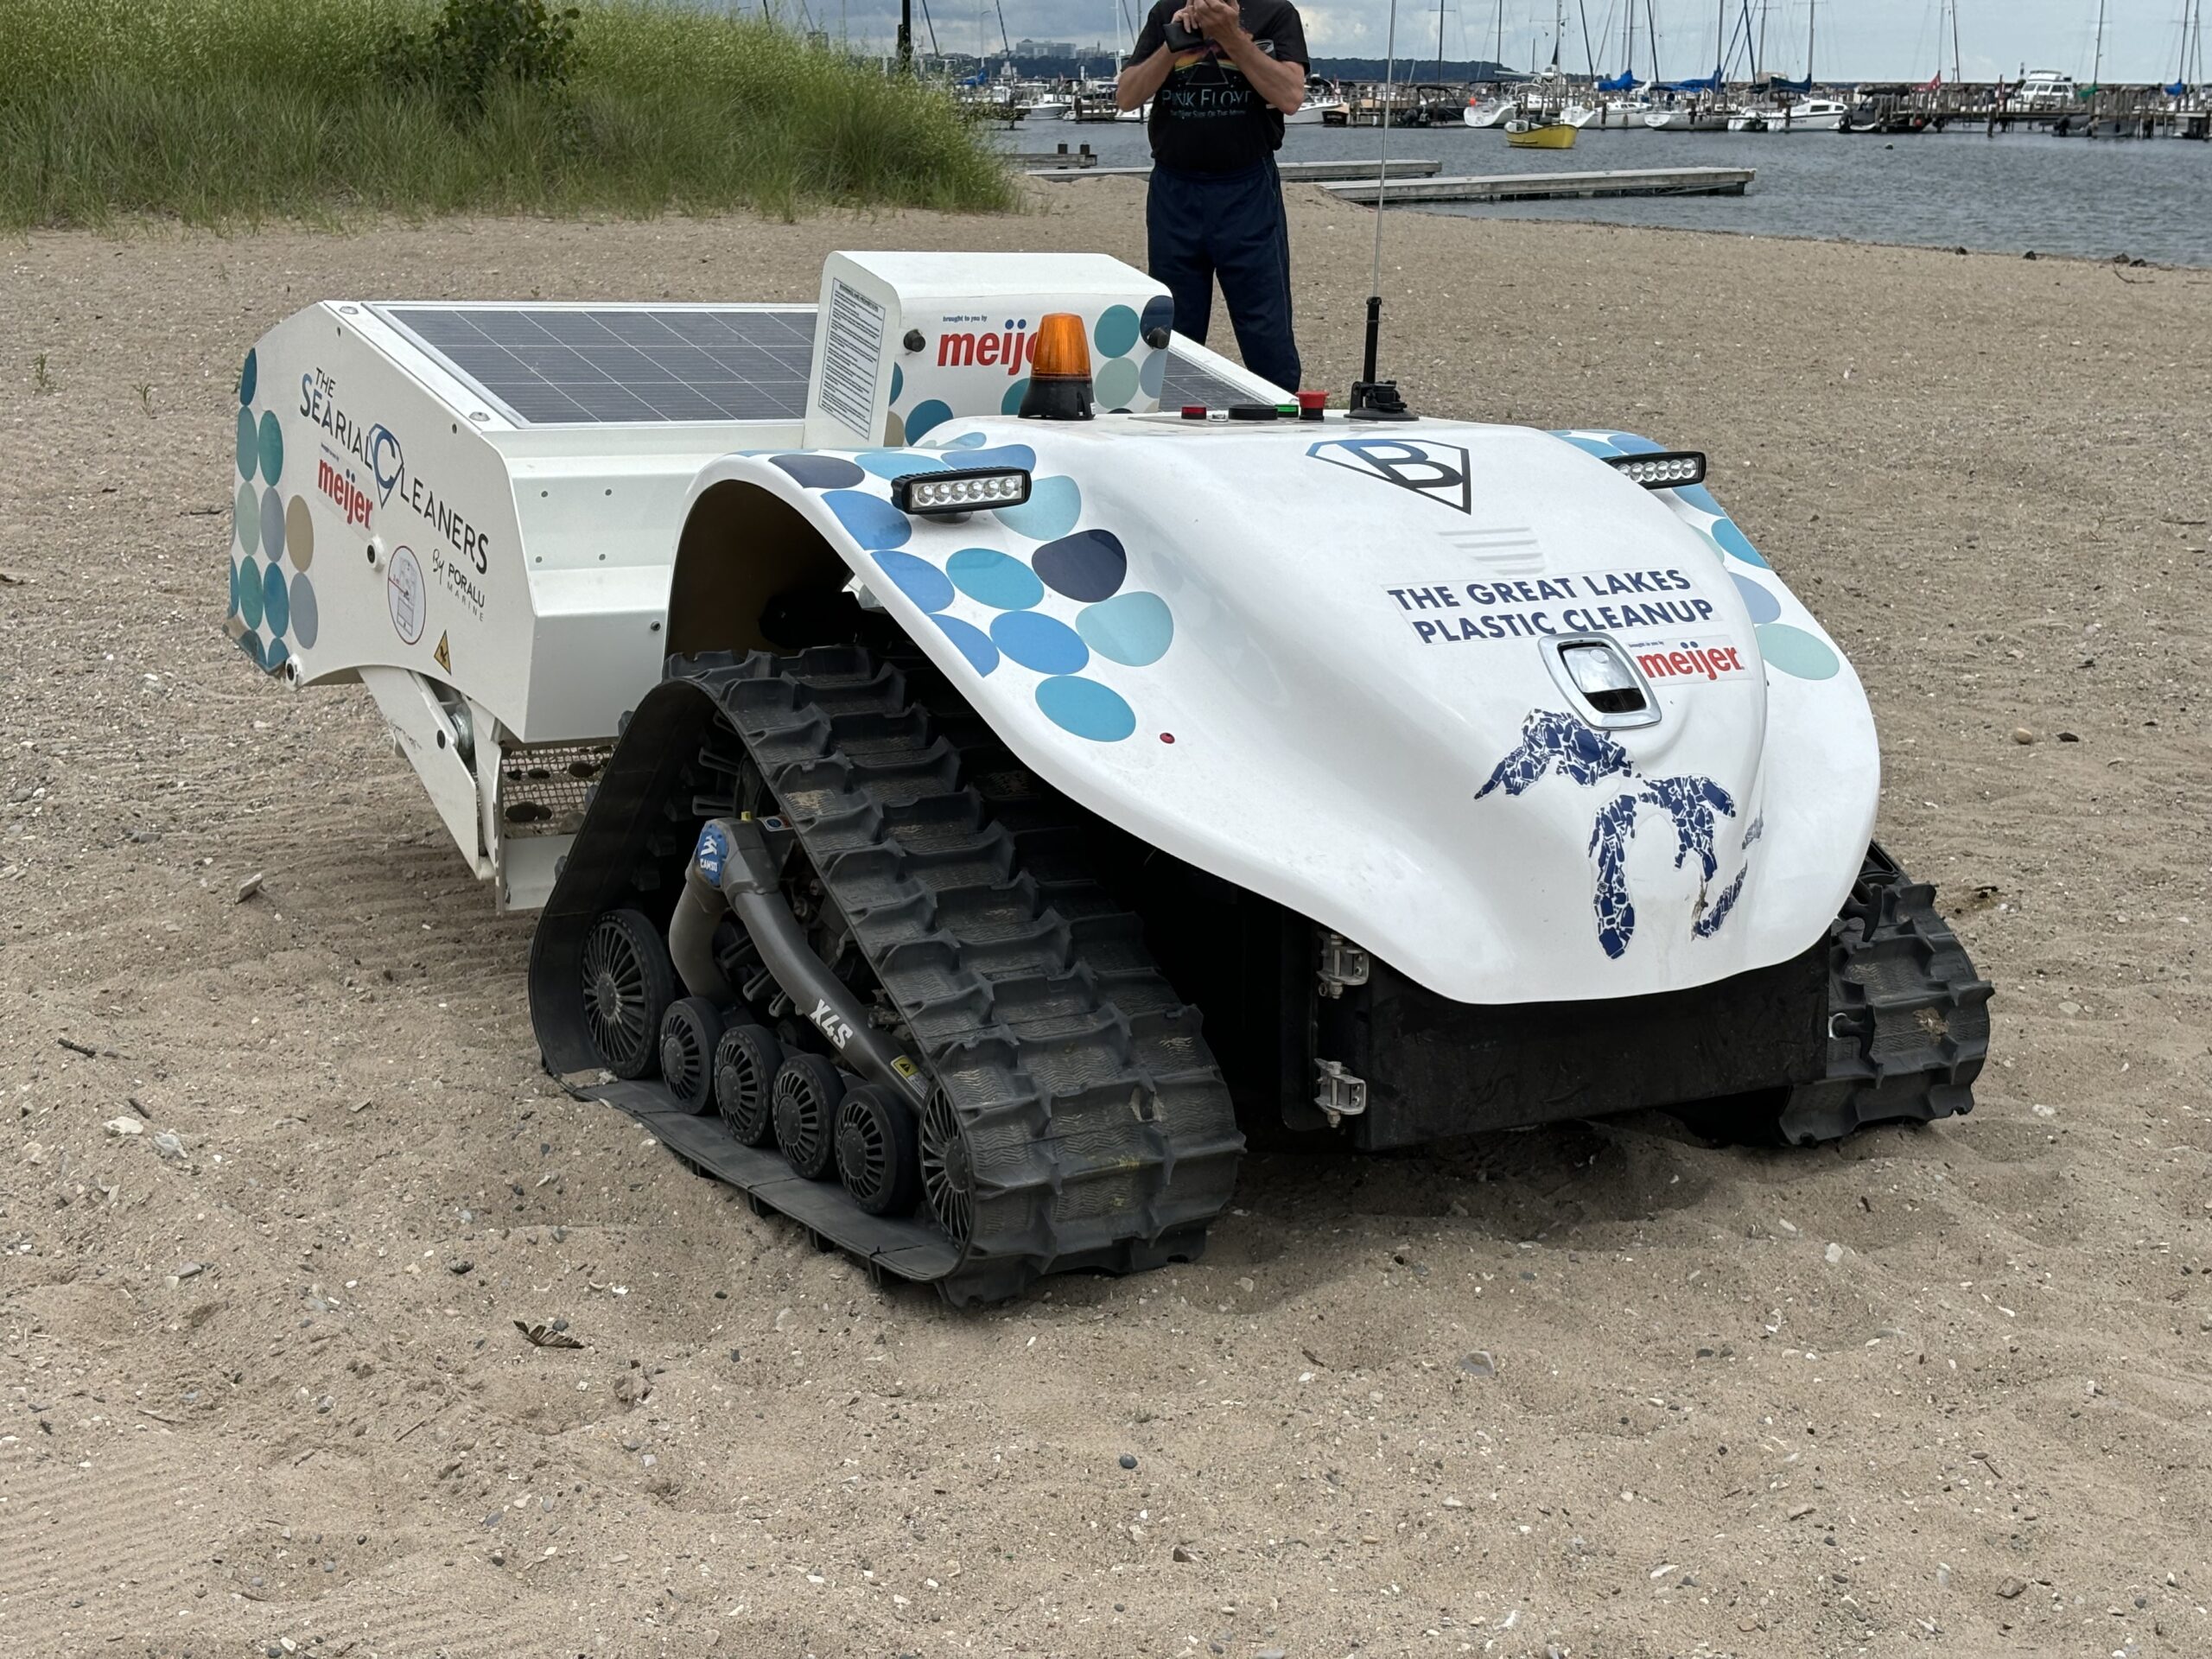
(1438, 471)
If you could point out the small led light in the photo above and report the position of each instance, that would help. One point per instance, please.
(1667, 471)
(960, 492)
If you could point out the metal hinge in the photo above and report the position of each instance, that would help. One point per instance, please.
(1343, 964)
(1337, 1092)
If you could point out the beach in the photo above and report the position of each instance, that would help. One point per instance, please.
(1602, 1388)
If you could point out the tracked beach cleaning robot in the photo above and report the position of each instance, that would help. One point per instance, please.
(1000, 680)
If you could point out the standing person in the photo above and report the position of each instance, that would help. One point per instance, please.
(1221, 75)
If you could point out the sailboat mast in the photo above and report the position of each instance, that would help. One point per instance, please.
(1628, 51)
(1958, 72)
(1439, 39)
(1719, 45)
(2097, 63)
(1812, 32)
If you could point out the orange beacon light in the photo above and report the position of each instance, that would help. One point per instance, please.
(1059, 374)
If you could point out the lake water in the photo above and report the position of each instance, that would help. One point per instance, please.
(2150, 199)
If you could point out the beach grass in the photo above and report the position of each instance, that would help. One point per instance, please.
(222, 112)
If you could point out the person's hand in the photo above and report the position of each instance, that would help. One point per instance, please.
(1214, 19)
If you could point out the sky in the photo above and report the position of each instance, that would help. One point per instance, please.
(1857, 40)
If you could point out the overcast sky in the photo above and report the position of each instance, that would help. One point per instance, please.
(1858, 39)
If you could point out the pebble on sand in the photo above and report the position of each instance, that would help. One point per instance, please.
(2012, 1588)
(1129, 1461)
(1478, 1364)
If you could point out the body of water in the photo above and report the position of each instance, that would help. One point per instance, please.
(2151, 199)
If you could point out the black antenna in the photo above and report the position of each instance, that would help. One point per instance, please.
(1373, 399)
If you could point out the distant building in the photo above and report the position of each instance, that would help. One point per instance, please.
(1044, 49)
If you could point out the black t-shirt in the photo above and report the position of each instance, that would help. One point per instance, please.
(1206, 118)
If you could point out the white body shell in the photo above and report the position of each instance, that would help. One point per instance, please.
(1305, 658)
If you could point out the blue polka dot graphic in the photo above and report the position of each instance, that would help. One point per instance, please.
(918, 579)
(1133, 629)
(1088, 565)
(930, 411)
(1800, 655)
(1763, 605)
(272, 524)
(872, 521)
(973, 643)
(820, 472)
(1053, 506)
(1004, 454)
(1734, 542)
(1115, 331)
(307, 621)
(271, 444)
(249, 377)
(275, 600)
(1039, 642)
(998, 580)
(1086, 708)
(898, 463)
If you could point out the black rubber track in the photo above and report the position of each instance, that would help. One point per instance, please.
(1100, 1131)
(1908, 1018)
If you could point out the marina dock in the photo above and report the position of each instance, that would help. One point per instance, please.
(1406, 167)
(1545, 187)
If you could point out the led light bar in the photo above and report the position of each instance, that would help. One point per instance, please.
(974, 489)
(1669, 471)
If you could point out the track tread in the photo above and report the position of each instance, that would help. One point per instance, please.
(1102, 1131)
(1907, 1017)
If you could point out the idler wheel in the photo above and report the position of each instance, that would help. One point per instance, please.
(879, 1155)
(808, 1092)
(628, 983)
(947, 1181)
(689, 1032)
(745, 1077)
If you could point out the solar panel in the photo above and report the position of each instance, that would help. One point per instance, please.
(584, 365)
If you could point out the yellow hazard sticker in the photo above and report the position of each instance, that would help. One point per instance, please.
(905, 1068)
(443, 653)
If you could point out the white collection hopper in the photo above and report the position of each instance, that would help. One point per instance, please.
(475, 508)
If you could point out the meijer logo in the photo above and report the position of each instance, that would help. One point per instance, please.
(1014, 346)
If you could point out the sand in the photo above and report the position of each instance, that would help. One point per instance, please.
(1928, 1391)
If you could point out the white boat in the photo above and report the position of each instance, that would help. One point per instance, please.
(1614, 114)
(1814, 115)
(1491, 112)
(1322, 100)
(2043, 89)
(1050, 108)
(1811, 114)
(1688, 117)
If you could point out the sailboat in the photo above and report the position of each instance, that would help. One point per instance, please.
(1809, 113)
(1617, 105)
(1696, 116)
(1541, 121)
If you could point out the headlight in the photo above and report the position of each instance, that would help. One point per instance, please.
(967, 491)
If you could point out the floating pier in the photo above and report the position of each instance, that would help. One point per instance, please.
(1058, 159)
(1293, 172)
(1545, 187)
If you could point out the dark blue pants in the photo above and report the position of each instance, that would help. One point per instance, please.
(1201, 225)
